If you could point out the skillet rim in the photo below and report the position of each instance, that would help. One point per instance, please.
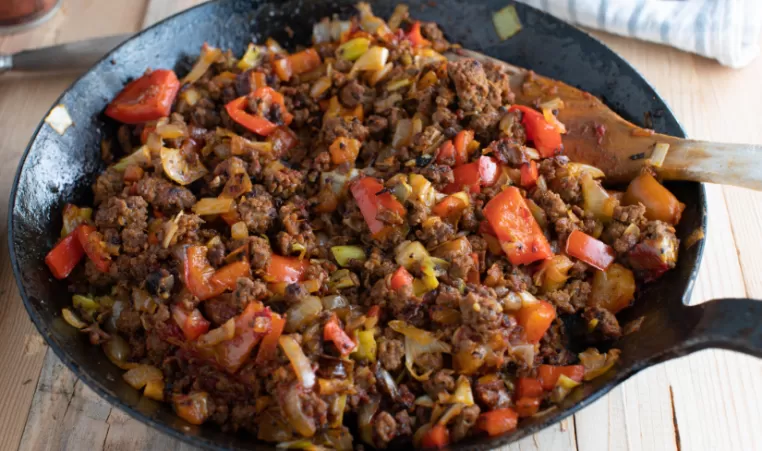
(199, 440)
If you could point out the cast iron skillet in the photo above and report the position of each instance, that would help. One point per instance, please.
(57, 169)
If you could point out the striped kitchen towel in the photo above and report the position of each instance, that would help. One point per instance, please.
(725, 30)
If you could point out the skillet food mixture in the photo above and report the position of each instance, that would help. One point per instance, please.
(357, 236)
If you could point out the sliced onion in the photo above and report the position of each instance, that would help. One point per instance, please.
(372, 60)
(139, 376)
(365, 415)
(291, 404)
(213, 206)
(218, 335)
(299, 362)
(303, 313)
(72, 319)
(596, 363)
(205, 60)
(462, 393)
(320, 87)
(577, 169)
(380, 74)
(658, 155)
(178, 169)
(450, 413)
(59, 119)
(386, 380)
(524, 352)
(118, 351)
(417, 342)
(141, 157)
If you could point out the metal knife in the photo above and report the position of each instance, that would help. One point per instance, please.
(72, 56)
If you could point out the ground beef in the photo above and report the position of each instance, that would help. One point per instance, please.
(384, 428)
(166, 196)
(471, 84)
(390, 353)
(334, 127)
(439, 175)
(424, 142)
(129, 322)
(508, 151)
(446, 120)
(551, 203)
(480, 309)
(257, 210)
(554, 346)
(284, 183)
(607, 327)
(377, 125)
(220, 309)
(128, 215)
(405, 422)
(631, 214)
(492, 394)
(620, 236)
(260, 252)
(351, 94)
(108, 185)
(435, 231)
(484, 123)
(572, 297)
(441, 382)
(248, 290)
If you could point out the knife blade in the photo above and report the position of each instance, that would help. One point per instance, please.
(71, 56)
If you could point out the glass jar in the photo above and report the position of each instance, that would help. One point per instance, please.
(19, 15)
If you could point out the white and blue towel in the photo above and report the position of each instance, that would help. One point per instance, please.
(725, 30)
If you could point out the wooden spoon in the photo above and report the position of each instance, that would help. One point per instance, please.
(598, 136)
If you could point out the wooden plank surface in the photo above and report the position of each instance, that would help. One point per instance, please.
(708, 401)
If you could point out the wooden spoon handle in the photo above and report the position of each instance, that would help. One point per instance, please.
(711, 162)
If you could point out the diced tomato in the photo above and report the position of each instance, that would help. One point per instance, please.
(232, 354)
(285, 269)
(590, 250)
(344, 150)
(536, 319)
(197, 271)
(297, 63)
(65, 256)
(461, 143)
(473, 275)
(529, 174)
(526, 387)
(269, 344)
(415, 37)
(548, 374)
(366, 193)
(520, 236)
(401, 278)
(446, 154)
(436, 437)
(545, 136)
(473, 176)
(146, 99)
(499, 421)
(192, 324)
(94, 247)
(283, 140)
(332, 331)
(526, 407)
(226, 277)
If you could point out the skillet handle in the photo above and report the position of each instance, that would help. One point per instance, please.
(734, 324)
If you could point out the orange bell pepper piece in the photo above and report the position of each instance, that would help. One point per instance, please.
(498, 421)
(536, 319)
(591, 251)
(548, 374)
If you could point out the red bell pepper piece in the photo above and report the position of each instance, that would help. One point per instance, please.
(461, 142)
(545, 136)
(332, 331)
(269, 344)
(450, 208)
(519, 234)
(233, 353)
(227, 277)
(257, 123)
(436, 437)
(529, 174)
(526, 387)
(446, 154)
(192, 324)
(591, 251)
(536, 319)
(65, 256)
(146, 99)
(415, 37)
(548, 374)
(197, 271)
(498, 421)
(472, 176)
(401, 278)
(285, 269)
(366, 193)
(526, 407)
(93, 246)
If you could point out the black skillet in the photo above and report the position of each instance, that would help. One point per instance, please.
(58, 169)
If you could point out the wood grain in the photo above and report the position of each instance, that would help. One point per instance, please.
(707, 401)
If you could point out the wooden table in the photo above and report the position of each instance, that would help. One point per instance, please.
(711, 400)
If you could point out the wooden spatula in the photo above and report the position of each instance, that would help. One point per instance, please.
(596, 135)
